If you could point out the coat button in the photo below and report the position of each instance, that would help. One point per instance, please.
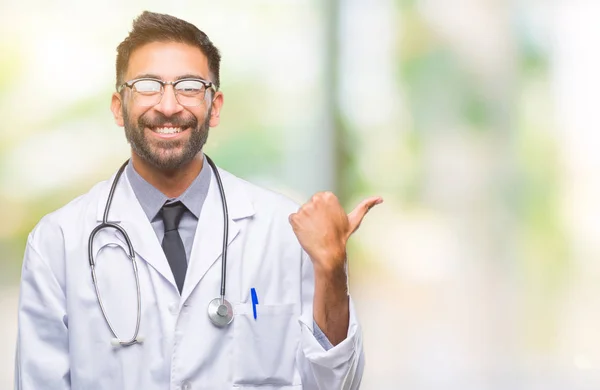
(186, 385)
(173, 308)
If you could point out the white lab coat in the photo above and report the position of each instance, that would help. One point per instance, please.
(64, 342)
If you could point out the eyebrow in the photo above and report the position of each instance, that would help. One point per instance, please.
(190, 76)
(185, 76)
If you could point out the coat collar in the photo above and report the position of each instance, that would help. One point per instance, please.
(208, 239)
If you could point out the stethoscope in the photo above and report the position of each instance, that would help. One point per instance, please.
(220, 311)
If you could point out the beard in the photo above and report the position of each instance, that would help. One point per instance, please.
(165, 154)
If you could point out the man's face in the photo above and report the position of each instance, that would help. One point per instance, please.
(167, 135)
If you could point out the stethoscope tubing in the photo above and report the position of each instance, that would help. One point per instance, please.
(131, 254)
(225, 227)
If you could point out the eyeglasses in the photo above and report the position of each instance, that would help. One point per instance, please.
(149, 92)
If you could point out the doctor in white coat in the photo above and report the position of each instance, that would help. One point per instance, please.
(294, 325)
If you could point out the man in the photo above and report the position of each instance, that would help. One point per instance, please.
(293, 323)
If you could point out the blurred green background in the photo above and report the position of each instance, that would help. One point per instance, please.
(476, 120)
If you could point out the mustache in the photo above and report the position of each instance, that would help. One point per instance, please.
(160, 120)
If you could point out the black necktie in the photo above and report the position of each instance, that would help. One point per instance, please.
(172, 244)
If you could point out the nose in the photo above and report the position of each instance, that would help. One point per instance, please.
(169, 105)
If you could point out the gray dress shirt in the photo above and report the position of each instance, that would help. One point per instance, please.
(152, 200)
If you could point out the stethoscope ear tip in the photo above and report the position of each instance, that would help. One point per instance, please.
(115, 342)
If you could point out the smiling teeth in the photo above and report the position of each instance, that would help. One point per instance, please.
(168, 130)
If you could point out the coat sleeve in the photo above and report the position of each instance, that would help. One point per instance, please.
(42, 354)
(340, 367)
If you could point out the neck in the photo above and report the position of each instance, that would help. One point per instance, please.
(171, 183)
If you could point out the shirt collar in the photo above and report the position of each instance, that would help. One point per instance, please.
(152, 200)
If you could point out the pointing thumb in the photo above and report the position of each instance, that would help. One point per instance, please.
(356, 216)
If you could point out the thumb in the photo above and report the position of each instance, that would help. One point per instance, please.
(356, 216)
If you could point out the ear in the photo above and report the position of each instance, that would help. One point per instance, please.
(215, 115)
(116, 106)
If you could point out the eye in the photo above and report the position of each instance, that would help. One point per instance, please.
(147, 86)
(190, 87)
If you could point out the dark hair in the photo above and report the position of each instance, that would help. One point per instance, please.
(152, 27)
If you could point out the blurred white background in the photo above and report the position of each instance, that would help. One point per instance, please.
(476, 120)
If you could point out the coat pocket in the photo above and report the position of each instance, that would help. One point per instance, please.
(265, 347)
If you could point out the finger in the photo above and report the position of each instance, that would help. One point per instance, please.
(356, 216)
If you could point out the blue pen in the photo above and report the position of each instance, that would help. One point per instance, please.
(254, 301)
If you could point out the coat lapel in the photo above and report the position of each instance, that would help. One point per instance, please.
(127, 212)
(208, 240)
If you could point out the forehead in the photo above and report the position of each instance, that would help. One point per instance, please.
(168, 60)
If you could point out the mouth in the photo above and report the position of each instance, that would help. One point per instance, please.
(167, 131)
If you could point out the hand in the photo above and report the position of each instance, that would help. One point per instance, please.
(323, 228)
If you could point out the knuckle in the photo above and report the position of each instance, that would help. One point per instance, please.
(330, 195)
(323, 196)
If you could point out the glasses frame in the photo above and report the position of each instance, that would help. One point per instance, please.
(207, 85)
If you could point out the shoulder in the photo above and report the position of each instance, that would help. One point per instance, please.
(57, 233)
(269, 222)
(51, 228)
(263, 199)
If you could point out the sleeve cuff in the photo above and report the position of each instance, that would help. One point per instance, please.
(336, 355)
(321, 337)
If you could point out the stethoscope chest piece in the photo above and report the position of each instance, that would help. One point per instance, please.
(220, 312)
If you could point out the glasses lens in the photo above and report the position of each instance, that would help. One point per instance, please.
(147, 92)
(190, 92)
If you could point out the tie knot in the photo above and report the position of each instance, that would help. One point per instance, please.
(171, 214)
